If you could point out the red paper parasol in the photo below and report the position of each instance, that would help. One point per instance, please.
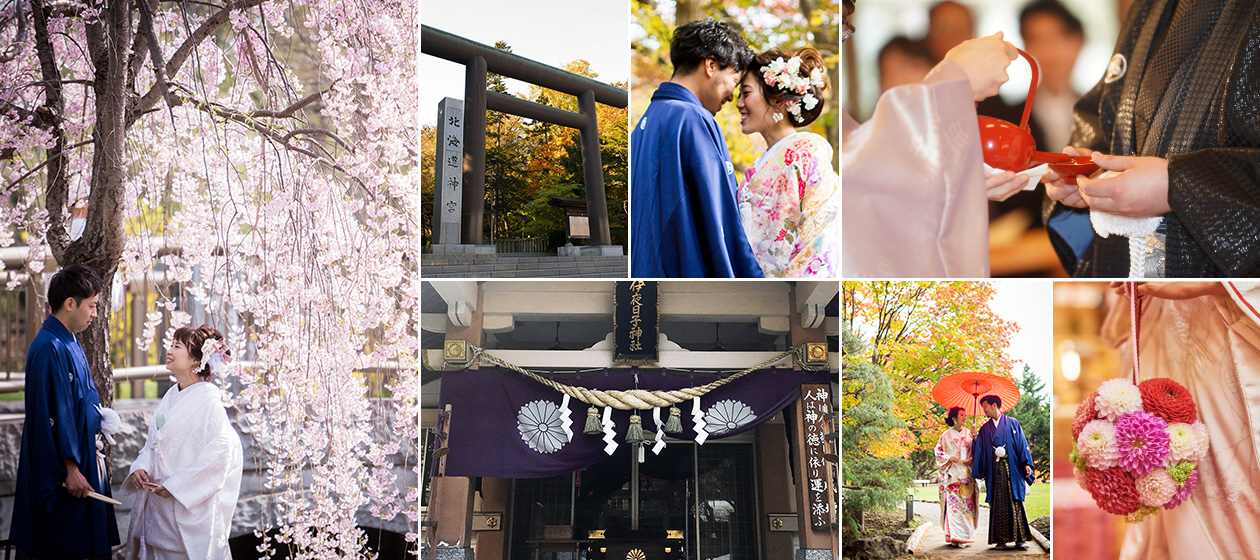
(967, 388)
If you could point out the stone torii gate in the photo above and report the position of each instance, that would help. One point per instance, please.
(479, 59)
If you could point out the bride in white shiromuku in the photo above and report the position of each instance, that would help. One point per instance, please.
(188, 474)
(959, 504)
(789, 201)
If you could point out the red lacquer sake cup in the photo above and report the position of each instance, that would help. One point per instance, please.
(1010, 147)
(1077, 165)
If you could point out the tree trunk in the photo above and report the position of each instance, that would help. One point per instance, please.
(102, 242)
(101, 245)
(95, 341)
(687, 11)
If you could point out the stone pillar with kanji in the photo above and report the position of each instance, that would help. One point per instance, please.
(449, 170)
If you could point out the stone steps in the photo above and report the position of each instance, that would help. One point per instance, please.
(522, 266)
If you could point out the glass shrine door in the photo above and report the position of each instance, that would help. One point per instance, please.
(711, 515)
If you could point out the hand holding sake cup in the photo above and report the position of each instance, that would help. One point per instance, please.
(1010, 147)
(1059, 189)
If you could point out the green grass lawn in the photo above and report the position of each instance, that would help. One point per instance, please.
(1036, 504)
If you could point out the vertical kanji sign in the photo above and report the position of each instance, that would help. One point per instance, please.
(636, 320)
(815, 404)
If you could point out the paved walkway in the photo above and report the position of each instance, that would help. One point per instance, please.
(933, 543)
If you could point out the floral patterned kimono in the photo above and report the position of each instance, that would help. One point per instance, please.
(790, 206)
(959, 509)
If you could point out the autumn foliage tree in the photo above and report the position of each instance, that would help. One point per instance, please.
(876, 474)
(916, 333)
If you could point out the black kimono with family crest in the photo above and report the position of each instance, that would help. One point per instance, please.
(1184, 84)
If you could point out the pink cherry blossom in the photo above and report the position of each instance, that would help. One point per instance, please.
(274, 180)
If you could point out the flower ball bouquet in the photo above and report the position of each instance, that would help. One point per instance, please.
(1137, 447)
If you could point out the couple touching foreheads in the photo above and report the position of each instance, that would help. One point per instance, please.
(690, 215)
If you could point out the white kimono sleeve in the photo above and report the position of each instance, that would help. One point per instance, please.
(913, 179)
(217, 460)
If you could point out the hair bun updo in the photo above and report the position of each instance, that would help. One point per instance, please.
(194, 339)
(781, 98)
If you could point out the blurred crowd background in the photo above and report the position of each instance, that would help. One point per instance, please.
(898, 41)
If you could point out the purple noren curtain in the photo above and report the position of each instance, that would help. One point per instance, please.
(506, 425)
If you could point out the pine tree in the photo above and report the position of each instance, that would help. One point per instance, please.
(1033, 413)
(872, 479)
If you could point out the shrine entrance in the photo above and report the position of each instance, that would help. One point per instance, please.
(690, 502)
(522, 469)
(460, 172)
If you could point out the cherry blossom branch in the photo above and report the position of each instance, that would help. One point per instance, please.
(251, 120)
(181, 54)
(155, 48)
(262, 66)
(59, 82)
(322, 131)
(23, 113)
(210, 4)
(289, 111)
(19, 39)
(98, 53)
(58, 185)
(142, 43)
(42, 164)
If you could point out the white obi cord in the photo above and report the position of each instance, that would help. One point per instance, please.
(1138, 230)
(1000, 451)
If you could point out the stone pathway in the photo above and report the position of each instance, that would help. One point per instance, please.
(933, 543)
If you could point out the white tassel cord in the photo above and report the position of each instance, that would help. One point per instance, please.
(1137, 257)
(1136, 229)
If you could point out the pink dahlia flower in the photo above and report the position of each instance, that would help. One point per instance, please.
(1156, 489)
(1142, 439)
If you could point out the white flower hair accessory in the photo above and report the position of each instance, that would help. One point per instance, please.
(786, 75)
(214, 355)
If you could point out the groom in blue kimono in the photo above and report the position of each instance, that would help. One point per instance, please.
(685, 216)
(53, 517)
(1001, 458)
